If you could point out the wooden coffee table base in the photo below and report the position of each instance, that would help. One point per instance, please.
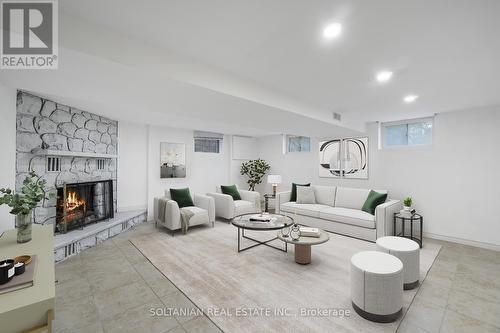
(302, 254)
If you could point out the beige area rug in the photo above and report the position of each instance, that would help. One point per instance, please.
(263, 289)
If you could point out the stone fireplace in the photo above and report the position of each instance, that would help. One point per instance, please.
(67, 146)
(80, 204)
(76, 152)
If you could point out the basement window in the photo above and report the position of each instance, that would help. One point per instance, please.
(207, 142)
(414, 132)
(297, 144)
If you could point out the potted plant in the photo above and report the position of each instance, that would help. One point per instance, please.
(23, 203)
(255, 171)
(407, 204)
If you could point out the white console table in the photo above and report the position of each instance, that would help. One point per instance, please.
(30, 309)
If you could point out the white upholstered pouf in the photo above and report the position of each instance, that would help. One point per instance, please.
(408, 251)
(377, 286)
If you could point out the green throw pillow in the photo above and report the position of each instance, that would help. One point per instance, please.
(231, 190)
(293, 196)
(181, 196)
(374, 199)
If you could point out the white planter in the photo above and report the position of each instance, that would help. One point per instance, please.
(407, 208)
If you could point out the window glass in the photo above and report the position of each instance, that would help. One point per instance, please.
(396, 135)
(299, 144)
(206, 145)
(420, 133)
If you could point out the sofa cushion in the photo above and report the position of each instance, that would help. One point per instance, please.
(293, 195)
(325, 195)
(351, 197)
(231, 190)
(181, 196)
(305, 195)
(374, 199)
(303, 209)
(348, 216)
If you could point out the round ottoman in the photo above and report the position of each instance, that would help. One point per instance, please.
(408, 251)
(377, 286)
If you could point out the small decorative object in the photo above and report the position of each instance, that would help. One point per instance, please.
(19, 268)
(23, 203)
(285, 232)
(274, 180)
(407, 203)
(25, 259)
(7, 270)
(255, 171)
(295, 232)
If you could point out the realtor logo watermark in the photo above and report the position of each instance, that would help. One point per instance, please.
(29, 38)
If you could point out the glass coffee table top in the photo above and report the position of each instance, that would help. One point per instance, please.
(276, 221)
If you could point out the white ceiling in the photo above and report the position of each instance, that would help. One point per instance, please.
(221, 64)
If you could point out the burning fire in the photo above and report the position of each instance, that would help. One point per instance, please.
(73, 202)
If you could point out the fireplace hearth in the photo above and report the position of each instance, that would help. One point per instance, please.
(80, 204)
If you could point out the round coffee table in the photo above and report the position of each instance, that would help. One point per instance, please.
(244, 222)
(303, 246)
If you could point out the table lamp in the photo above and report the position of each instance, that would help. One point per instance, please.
(274, 180)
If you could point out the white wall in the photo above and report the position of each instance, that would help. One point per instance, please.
(455, 182)
(243, 148)
(204, 171)
(7, 149)
(132, 178)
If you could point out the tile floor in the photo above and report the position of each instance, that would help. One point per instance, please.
(112, 287)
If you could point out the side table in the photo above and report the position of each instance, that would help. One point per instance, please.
(414, 218)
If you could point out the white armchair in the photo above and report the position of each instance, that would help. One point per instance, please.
(227, 208)
(203, 211)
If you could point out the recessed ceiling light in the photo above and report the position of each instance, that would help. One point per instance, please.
(332, 30)
(383, 76)
(410, 98)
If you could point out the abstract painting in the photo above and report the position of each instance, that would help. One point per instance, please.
(355, 158)
(344, 158)
(172, 160)
(329, 158)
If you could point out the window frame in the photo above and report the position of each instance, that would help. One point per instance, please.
(383, 127)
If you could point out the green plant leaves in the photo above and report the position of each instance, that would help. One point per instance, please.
(255, 171)
(32, 192)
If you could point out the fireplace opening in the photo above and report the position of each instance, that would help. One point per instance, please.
(80, 204)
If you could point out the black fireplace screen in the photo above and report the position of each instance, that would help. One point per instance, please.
(80, 204)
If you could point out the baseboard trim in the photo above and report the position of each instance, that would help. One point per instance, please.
(469, 242)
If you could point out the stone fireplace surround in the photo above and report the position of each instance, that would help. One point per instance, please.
(85, 145)
(45, 125)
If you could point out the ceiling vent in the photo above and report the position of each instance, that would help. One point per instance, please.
(337, 116)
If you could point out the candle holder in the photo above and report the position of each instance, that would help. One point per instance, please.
(6, 270)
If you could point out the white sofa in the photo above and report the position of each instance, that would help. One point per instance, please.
(338, 210)
(203, 210)
(227, 208)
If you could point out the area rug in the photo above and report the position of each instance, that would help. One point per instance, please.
(263, 289)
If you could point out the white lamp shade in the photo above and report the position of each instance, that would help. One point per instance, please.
(274, 179)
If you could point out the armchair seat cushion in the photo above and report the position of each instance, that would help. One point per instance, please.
(349, 216)
(200, 215)
(243, 207)
(303, 209)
